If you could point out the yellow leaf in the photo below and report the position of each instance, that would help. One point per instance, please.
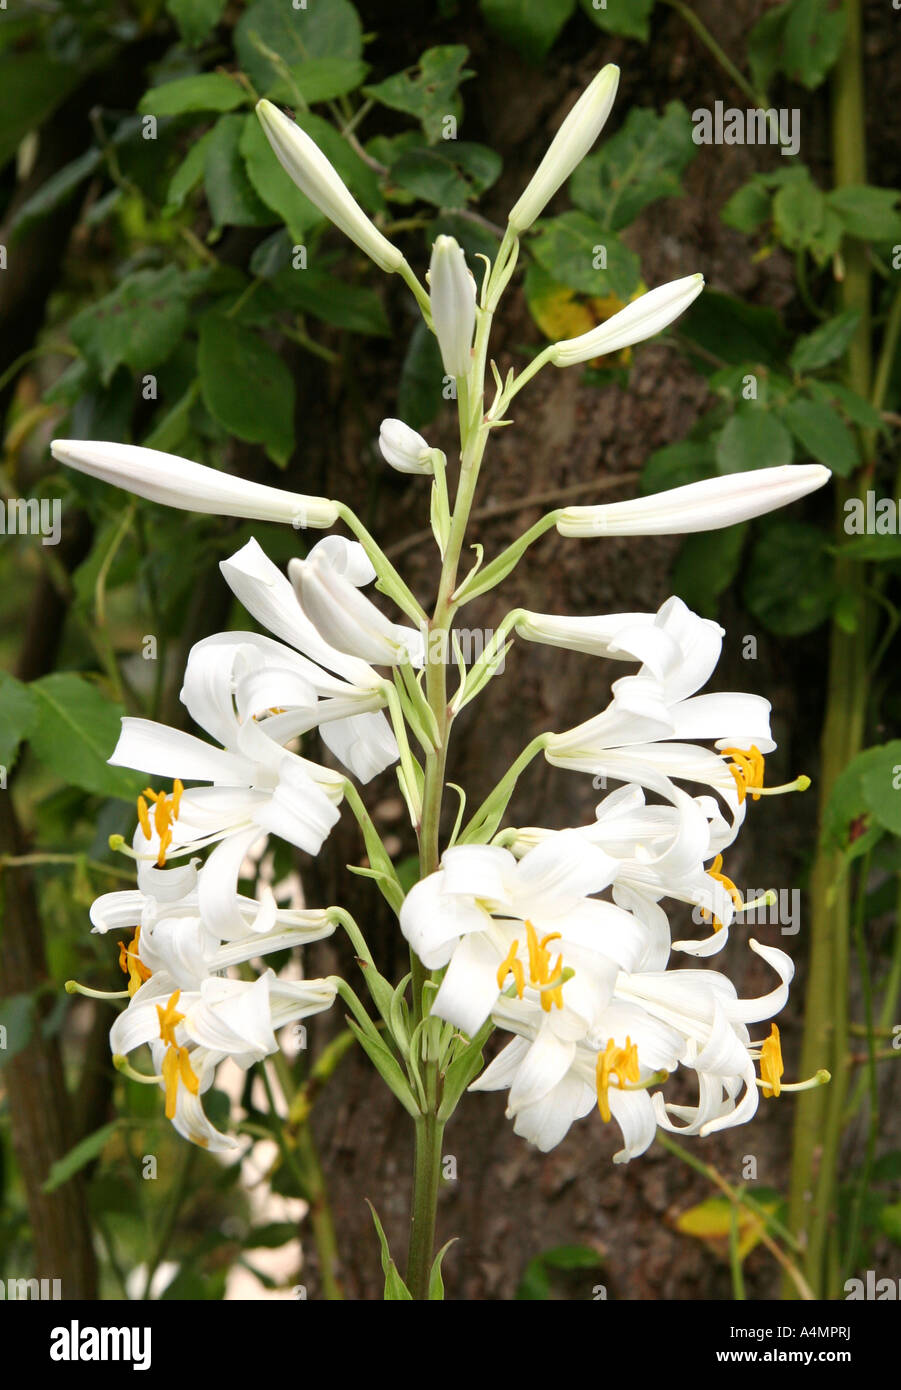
(711, 1221)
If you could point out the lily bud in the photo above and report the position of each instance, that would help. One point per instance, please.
(404, 449)
(304, 161)
(641, 319)
(568, 148)
(705, 506)
(177, 482)
(452, 292)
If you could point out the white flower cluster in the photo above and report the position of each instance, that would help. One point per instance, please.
(513, 923)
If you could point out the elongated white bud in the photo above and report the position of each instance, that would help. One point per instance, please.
(704, 506)
(641, 319)
(304, 161)
(568, 148)
(177, 482)
(452, 292)
(404, 449)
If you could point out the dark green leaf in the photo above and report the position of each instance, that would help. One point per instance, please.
(208, 91)
(419, 394)
(788, 584)
(319, 79)
(881, 785)
(748, 207)
(76, 729)
(707, 565)
(753, 438)
(642, 162)
(138, 325)
(334, 301)
(273, 185)
(195, 18)
(825, 344)
(246, 386)
(17, 715)
(531, 26)
(823, 434)
(868, 213)
(448, 174)
(84, 1152)
(734, 331)
(428, 92)
(812, 40)
(798, 211)
(232, 198)
(32, 85)
(578, 252)
(630, 18)
(857, 408)
(324, 29)
(56, 191)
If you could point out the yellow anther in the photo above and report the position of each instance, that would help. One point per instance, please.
(165, 811)
(177, 1067)
(621, 1062)
(169, 1018)
(771, 1067)
(512, 965)
(540, 974)
(747, 769)
(144, 818)
(131, 964)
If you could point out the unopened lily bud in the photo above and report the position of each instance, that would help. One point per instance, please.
(452, 292)
(568, 148)
(705, 506)
(641, 319)
(404, 449)
(178, 482)
(304, 161)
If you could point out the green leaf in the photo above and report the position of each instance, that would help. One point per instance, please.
(325, 29)
(232, 197)
(812, 40)
(825, 344)
(823, 434)
(630, 18)
(677, 464)
(530, 26)
(428, 92)
(138, 325)
(463, 1069)
(857, 408)
(246, 386)
(315, 292)
(57, 190)
(642, 162)
(765, 45)
(189, 173)
(273, 185)
(84, 1152)
(395, 1288)
(753, 438)
(798, 211)
(749, 206)
(436, 1282)
(449, 174)
(867, 213)
(208, 91)
(270, 1236)
(887, 1167)
(881, 785)
(419, 393)
(32, 85)
(535, 1284)
(319, 79)
(17, 715)
(846, 819)
(16, 1023)
(568, 247)
(789, 583)
(890, 1222)
(76, 729)
(195, 18)
(707, 565)
(734, 331)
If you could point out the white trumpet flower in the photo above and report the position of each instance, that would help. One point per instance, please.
(452, 293)
(328, 584)
(404, 449)
(192, 487)
(705, 506)
(304, 162)
(568, 148)
(645, 316)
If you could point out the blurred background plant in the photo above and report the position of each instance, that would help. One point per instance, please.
(150, 292)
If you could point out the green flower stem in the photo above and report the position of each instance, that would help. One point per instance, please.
(819, 1113)
(426, 1181)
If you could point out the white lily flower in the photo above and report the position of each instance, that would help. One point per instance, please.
(654, 1022)
(705, 506)
(191, 1031)
(645, 316)
(328, 583)
(486, 917)
(638, 738)
(568, 148)
(177, 482)
(404, 449)
(315, 176)
(452, 293)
